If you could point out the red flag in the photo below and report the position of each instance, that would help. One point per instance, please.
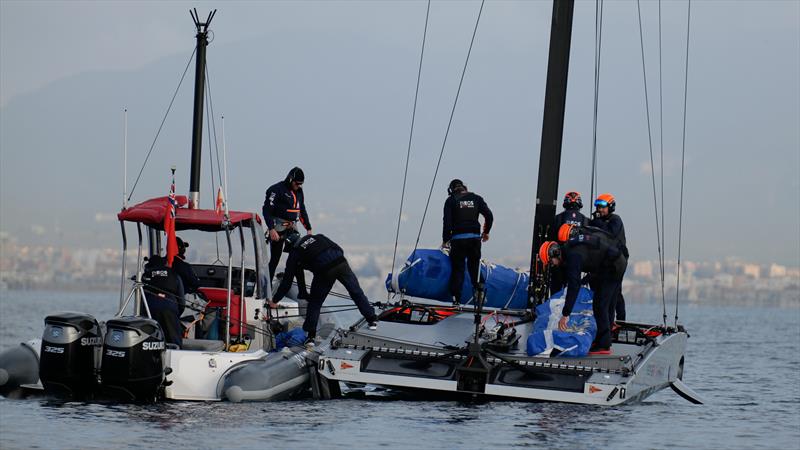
(169, 223)
(220, 201)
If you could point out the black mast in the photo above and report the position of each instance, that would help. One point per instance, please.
(555, 99)
(199, 96)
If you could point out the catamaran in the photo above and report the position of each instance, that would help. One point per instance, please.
(473, 350)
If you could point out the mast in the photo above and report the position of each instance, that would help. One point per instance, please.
(555, 99)
(199, 91)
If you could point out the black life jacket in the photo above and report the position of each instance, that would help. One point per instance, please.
(465, 213)
(572, 217)
(163, 283)
(599, 242)
(318, 253)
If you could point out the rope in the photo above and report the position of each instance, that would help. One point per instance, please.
(652, 167)
(152, 146)
(410, 136)
(211, 123)
(661, 137)
(449, 123)
(683, 159)
(598, 38)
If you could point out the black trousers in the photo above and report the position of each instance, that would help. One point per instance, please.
(164, 310)
(462, 250)
(322, 285)
(607, 287)
(275, 252)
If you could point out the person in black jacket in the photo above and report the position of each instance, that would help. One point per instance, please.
(184, 269)
(602, 259)
(325, 259)
(605, 219)
(571, 215)
(284, 206)
(462, 230)
(163, 292)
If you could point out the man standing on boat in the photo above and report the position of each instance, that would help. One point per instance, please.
(184, 269)
(602, 259)
(605, 219)
(284, 206)
(571, 215)
(462, 230)
(325, 259)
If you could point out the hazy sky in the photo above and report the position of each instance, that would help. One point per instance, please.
(329, 86)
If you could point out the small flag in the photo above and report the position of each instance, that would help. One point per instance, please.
(219, 208)
(169, 223)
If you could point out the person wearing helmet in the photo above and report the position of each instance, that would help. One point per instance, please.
(462, 230)
(572, 211)
(571, 215)
(284, 206)
(601, 259)
(325, 259)
(605, 218)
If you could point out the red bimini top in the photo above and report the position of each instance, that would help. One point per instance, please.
(152, 212)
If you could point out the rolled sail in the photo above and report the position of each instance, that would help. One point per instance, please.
(426, 274)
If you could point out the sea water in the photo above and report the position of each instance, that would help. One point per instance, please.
(745, 362)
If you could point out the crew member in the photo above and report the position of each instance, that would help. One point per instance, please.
(462, 230)
(184, 269)
(163, 292)
(602, 259)
(571, 215)
(284, 206)
(605, 219)
(325, 259)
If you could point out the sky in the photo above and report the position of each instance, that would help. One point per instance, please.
(329, 86)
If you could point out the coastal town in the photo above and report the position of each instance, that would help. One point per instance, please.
(729, 282)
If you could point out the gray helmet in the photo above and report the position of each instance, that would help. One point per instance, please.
(293, 237)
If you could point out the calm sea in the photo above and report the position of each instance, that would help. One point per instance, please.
(744, 361)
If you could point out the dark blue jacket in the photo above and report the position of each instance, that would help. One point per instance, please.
(571, 216)
(281, 203)
(611, 223)
(314, 252)
(461, 215)
(599, 257)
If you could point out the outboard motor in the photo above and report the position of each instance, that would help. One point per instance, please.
(133, 359)
(70, 354)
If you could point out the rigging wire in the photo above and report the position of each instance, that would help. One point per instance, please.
(598, 39)
(449, 123)
(661, 137)
(152, 146)
(683, 158)
(652, 167)
(212, 123)
(410, 136)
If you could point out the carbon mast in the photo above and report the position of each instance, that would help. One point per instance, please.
(555, 99)
(199, 96)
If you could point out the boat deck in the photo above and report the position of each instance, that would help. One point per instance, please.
(452, 333)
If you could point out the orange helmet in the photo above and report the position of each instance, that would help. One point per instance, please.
(606, 201)
(572, 200)
(548, 251)
(565, 231)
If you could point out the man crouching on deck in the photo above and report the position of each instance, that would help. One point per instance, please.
(325, 259)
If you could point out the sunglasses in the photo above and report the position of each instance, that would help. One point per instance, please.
(601, 203)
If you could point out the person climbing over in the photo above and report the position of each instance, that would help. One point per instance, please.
(325, 259)
(284, 206)
(602, 259)
(462, 231)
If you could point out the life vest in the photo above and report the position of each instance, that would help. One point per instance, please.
(164, 284)
(315, 253)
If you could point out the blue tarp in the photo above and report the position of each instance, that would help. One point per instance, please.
(581, 327)
(293, 337)
(426, 274)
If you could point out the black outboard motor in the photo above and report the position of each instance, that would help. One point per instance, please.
(133, 359)
(70, 354)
